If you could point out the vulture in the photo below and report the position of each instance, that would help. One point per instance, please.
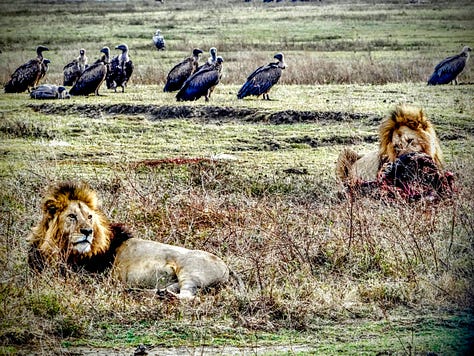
(27, 75)
(263, 79)
(182, 71)
(121, 69)
(73, 70)
(90, 80)
(212, 59)
(201, 83)
(159, 40)
(448, 69)
(49, 91)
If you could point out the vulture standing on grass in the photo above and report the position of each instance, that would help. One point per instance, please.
(91, 79)
(263, 79)
(27, 75)
(49, 91)
(73, 70)
(121, 69)
(448, 69)
(182, 71)
(201, 83)
(159, 40)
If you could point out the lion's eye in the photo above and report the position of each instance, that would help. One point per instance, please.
(72, 216)
(90, 217)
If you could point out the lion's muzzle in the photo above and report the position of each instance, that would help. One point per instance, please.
(81, 243)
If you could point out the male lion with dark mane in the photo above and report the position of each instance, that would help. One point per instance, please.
(409, 154)
(74, 231)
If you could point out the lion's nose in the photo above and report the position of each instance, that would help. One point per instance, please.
(86, 232)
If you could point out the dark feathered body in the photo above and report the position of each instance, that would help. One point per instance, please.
(448, 69)
(27, 75)
(73, 70)
(91, 79)
(263, 79)
(182, 71)
(121, 69)
(201, 83)
(159, 41)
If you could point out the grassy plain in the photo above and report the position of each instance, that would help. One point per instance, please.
(321, 272)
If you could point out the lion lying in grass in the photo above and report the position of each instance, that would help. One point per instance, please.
(409, 158)
(75, 232)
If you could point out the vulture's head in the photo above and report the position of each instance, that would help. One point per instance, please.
(197, 52)
(106, 51)
(40, 49)
(280, 58)
(122, 47)
(213, 52)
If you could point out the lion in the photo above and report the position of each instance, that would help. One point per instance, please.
(74, 232)
(406, 130)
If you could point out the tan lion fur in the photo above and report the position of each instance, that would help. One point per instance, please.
(405, 130)
(75, 232)
(173, 269)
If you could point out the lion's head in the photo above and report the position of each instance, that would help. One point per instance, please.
(407, 130)
(72, 226)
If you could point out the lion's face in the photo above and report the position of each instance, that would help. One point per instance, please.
(406, 140)
(72, 224)
(78, 227)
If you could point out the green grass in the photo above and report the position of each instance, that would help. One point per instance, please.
(333, 276)
(448, 335)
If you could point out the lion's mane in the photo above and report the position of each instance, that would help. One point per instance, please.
(49, 239)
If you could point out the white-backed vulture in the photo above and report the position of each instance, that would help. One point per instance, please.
(27, 75)
(449, 68)
(121, 69)
(73, 70)
(263, 79)
(159, 40)
(201, 83)
(182, 71)
(91, 79)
